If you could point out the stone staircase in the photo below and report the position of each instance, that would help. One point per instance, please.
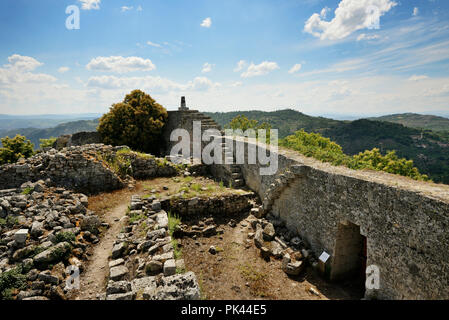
(232, 173)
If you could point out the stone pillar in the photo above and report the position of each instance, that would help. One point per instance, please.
(183, 104)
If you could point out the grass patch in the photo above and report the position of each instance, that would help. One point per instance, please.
(119, 163)
(173, 222)
(27, 190)
(257, 280)
(65, 237)
(9, 222)
(133, 217)
(201, 285)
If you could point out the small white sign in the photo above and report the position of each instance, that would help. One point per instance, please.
(324, 257)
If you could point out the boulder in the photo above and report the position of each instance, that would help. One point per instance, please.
(115, 263)
(37, 229)
(258, 238)
(276, 249)
(121, 296)
(47, 277)
(265, 253)
(115, 287)
(118, 273)
(156, 234)
(52, 255)
(269, 232)
(294, 268)
(91, 223)
(21, 236)
(118, 250)
(169, 267)
(153, 267)
(177, 287)
(162, 220)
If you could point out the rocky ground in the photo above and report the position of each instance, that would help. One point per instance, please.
(44, 230)
(128, 245)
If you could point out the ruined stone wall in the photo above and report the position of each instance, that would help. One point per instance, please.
(90, 168)
(74, 168)
(220, 205)
(405, 222)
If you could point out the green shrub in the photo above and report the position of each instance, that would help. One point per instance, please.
(47, 143)
(9, 222)
(27, 190)
(10, 280)
(65, 237)
(321, 148)
(15, 148)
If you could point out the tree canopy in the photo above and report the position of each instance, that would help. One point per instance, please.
(136, 122)
(15, 148)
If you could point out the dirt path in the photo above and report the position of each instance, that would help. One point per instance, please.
(93, 280)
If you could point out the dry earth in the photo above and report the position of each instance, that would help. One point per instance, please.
(236, 272)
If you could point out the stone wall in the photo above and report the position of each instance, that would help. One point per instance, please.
(220, 205)
(405, 222)
(74, 168)
(77, 139)
(90, 168)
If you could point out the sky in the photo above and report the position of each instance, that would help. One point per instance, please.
(336, 58)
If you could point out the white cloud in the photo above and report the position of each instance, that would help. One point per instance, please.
(364, 36)
(324, 12)
(236, 84)
(18, 71)
(150, 83)
(350, 16)
(139, 8)
(202, 84)
(22, 63)
(156, 45)
(295, 68)
(207, 67)
(418, 77)
(415, 11)
(206, 23)
(90, 4)
(260, 69)
(63, 69)
(240, 65)
(120, 64)
(125, 8)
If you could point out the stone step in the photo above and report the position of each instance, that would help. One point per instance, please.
(235, 169)
(237, 175)
(238, 183)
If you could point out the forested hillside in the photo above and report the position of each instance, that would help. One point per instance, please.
(429, 150)
(34, 134)
(418, 121)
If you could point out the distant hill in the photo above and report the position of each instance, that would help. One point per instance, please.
(418, 121)
(9, 122)
(34, 134)
(286, 121)
(429, 150)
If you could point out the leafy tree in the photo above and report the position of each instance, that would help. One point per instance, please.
(136, 122)
(243, 123)
(47, 143)
(15, 148)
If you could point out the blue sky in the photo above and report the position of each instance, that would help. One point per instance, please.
(320, 57)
